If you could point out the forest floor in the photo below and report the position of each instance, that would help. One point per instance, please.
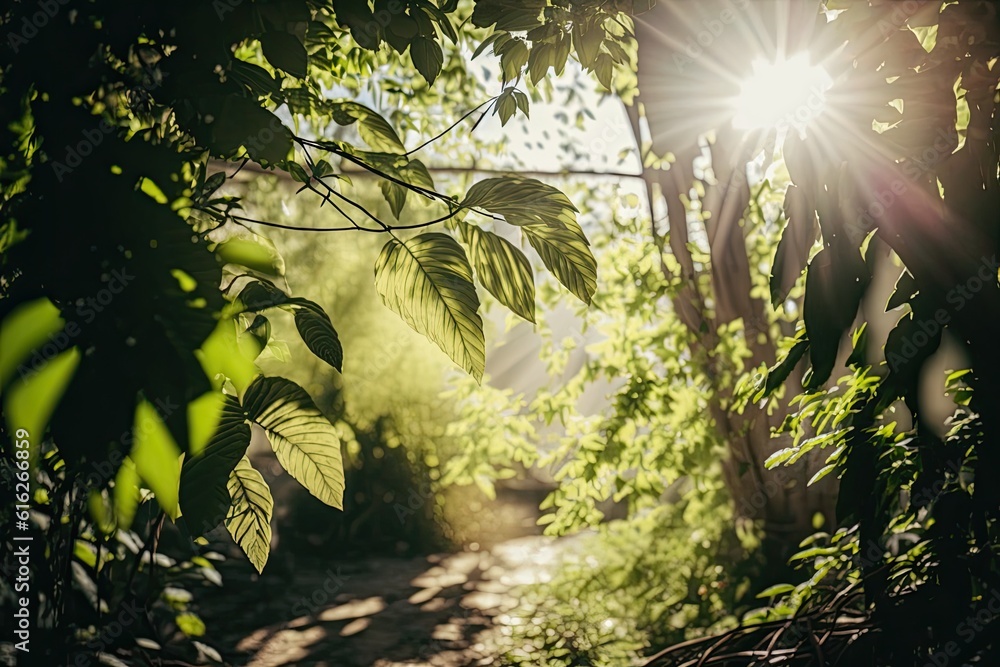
(442, 610)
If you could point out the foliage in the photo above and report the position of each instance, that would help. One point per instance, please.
(915, 550)
(129, 110)
(652, 581)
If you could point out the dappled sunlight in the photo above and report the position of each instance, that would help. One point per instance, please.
(438, 609)
(468, 333)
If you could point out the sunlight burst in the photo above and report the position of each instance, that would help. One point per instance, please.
(781, 94)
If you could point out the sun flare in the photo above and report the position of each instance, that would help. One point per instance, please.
(781, 94)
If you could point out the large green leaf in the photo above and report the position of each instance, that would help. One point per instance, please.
(157, 457)
(285, 52)
(502, 269)
(566, 253)
(29, 403)
(258, 255)
(203, 494)
(24, 330)
(427, 280)
(427, 57)
(373, 128)
(258, 295)
(306, 444)
(522, 201)
(318, 333)
(249, 519)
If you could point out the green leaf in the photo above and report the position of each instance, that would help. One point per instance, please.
(190, 624)
(285, 52)
(259, 295)
(157, 458)
(587, 38)
(604, 68)
(513, 57)
(24, 330)
(542, 57)
(506, 106)
(522, 201)
(359, 19)
(256, 255)
(373, 128)
(221, 358)
(427, 280)
(126, 496)
(204, 414)
(775, 590)
(777, 374)
(298, 172)
(395, 195)
(254, 77)
(565, 251)
(427, 58)
(780, 456)
(502, 269)
(306, 444)
(254, 339)
(28, 404)
(508, 14)
(318, 333)
(249, 519)
(204, 496)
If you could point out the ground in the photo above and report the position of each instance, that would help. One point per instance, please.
(435, 611)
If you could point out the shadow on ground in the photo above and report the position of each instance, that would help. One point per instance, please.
(435, 611)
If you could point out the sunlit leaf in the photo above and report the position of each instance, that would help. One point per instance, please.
(24, 330)
(502, 269)
(249, 519)
(306, 444)
(28, 404)
(259, 255)
(522, 201)
(566, 253)
(427, 280)
(157, 457)
(220, 357)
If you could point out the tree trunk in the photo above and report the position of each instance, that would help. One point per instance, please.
(669, 69)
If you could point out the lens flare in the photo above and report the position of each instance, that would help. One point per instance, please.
(782, 94)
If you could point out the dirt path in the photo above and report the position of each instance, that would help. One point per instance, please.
(436, 611)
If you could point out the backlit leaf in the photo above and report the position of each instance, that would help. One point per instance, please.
(427, 280)
(249, 519)
(566, 253)
(306, 444)
(502, 269)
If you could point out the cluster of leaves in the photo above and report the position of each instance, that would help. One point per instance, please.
(917, 521)
(129, 297)
(653, 581)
